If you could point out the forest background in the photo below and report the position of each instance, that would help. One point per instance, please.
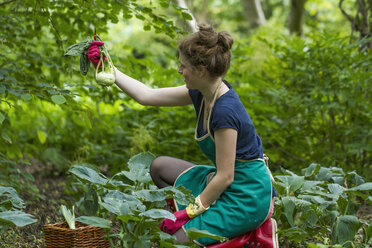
(301, 68)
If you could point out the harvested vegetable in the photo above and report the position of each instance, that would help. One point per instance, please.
(80, 49)
(103, 77)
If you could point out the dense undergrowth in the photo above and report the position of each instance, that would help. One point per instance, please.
(308, 97)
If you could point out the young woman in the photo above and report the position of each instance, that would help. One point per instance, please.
(234, 196)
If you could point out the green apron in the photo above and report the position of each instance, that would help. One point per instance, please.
(242, 207)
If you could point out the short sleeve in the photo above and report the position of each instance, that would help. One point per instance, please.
(224, 117)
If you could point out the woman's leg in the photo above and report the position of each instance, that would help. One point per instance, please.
(181, 236)
(164, 170)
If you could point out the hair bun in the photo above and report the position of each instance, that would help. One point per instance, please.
(225, 40)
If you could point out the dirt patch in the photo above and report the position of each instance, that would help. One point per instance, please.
(45, 209)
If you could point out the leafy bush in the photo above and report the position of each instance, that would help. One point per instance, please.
(11, 206)
(310, 99)
(131, 202)
(320, 206)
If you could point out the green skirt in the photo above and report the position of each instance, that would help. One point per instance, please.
(242, 207)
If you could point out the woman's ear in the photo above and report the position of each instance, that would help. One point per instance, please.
(202, 71)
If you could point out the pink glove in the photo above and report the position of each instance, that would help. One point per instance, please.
(93, 52)
(170, 226)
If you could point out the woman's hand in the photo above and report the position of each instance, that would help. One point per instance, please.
(183, 216)
(170, 226)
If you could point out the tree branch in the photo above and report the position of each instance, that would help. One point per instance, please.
(192, 23)
(6, 2)
(344, 12)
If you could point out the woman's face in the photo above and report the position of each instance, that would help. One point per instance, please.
(189, 73)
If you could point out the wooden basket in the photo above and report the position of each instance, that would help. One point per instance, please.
(83, 236)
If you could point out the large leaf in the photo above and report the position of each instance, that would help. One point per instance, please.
(289, 207)
(344, 229)
(88, 174)
(150, 195)
(361, 187)
(141, 161)
(194, 233)
(291, 183)
(94, 221)
(11, 193)
(18, 218)
(158, 214)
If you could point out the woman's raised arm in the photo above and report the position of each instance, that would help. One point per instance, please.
(169, 96)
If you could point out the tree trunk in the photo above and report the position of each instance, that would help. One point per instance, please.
(296, 17)
(360, 22)
(253, 13)
(193, 25)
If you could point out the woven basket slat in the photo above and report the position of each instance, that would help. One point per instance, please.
(59, 235)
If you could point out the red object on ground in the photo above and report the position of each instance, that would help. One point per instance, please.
(262, 237)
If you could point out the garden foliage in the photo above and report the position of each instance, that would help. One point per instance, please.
(320, 206)
(131, 202)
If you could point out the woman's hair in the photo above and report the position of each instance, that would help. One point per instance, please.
(209, 49)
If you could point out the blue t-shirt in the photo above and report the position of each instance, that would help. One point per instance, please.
(229, 112)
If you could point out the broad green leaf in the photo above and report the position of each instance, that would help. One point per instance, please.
(26, 97)
(94, 221)
(362, 187)
(91, 201)
(42, 136)
(150, 195)
(336, 189)
(194, 233)
(310, 170)
(18, 218)
(295, 234)
(88, 174)
(291, 183)
(289, 207)
(58, 99)
(158, 214)
(344, 229)
(75, 49)
(13, 196)
(142, 160)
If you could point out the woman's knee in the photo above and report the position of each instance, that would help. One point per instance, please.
(157, 165)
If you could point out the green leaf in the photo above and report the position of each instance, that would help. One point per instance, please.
(158, 214)
(13, 196)
(2, 118)
(150, 195)
(94, 221)
(75, 49)
(58, 99)
(69, 216)
(344, 229)
(194, 233)
(336, 189)
(186, 16)
(289, 207)
(364, 186)
(310, 170)
(84, 64)
(18, 218)
(26, 97)
(5, 136)
(88, 174)
(42, 136)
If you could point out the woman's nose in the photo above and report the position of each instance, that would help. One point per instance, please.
(179, 70)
